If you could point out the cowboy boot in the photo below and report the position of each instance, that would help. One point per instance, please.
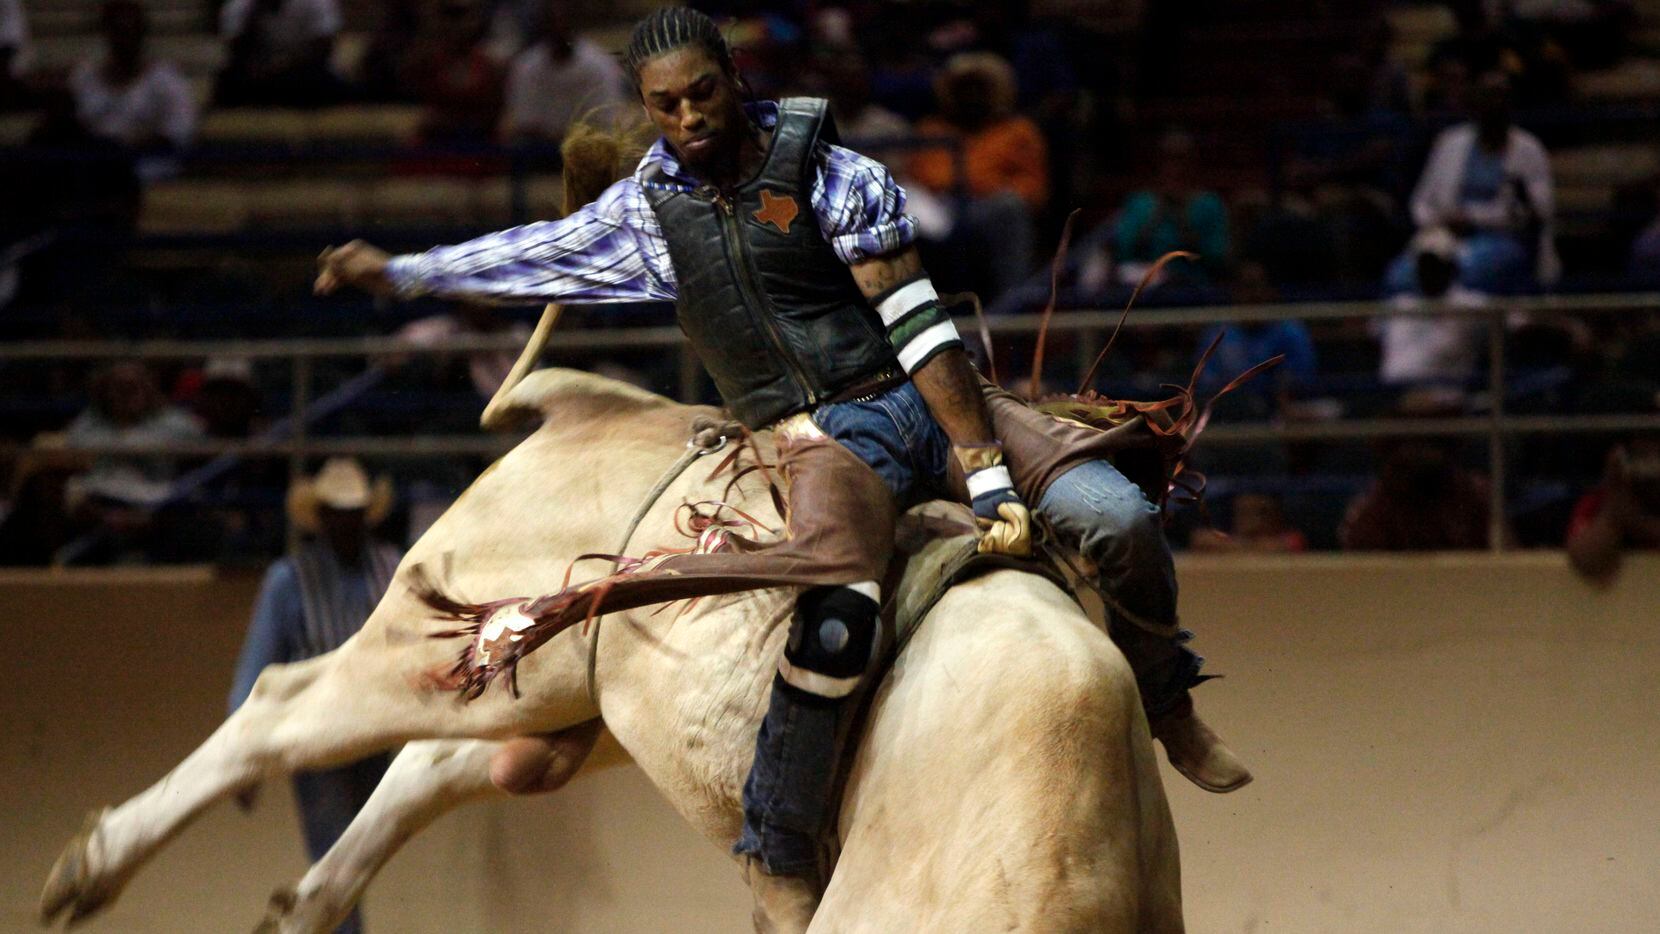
(1196, 751)
(783, 904)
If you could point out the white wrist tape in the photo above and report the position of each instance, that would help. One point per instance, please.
(989, 480)
(919, 348)
(904, 299)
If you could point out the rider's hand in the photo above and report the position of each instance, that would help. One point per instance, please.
(1005, 522)
(356, 264)
(1011, 533)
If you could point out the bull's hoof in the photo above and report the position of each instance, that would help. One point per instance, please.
(289, 913)
(278, 910)
(71, 884)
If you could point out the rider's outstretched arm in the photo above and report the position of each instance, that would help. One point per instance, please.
(608, 251)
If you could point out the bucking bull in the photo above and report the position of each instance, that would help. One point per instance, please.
(1007, 694)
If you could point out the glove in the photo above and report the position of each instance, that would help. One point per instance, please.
(1005, 522)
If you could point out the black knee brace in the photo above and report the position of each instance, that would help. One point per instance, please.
(831, 640)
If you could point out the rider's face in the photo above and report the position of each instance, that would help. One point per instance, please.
(695, 105)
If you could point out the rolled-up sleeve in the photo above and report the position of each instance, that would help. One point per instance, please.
(608, 251)
(860, 207)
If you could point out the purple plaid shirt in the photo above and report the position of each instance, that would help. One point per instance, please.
(613, 249)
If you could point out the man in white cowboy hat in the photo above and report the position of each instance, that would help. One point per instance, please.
(312, 601)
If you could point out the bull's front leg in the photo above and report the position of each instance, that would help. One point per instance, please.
(427, 779)
(327, 711)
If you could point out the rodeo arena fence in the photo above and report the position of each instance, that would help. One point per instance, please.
(291, 438)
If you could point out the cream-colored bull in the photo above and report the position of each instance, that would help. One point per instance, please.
(1008, 696)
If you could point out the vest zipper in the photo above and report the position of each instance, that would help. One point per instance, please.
(753, 295)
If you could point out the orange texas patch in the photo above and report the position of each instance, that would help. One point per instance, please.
(777, 210)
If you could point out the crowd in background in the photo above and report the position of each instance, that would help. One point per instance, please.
(1426, 183)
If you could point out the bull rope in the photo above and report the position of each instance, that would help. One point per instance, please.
(708, 436)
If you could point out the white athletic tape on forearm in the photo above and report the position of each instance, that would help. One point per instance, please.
(922, 346)
(905, 298)
(989, 480)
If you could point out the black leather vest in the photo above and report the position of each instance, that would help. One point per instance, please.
(774, 314)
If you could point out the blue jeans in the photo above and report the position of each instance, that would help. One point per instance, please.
(1110, 521)
(1495, 263)
(897, 436)
(788, 795)
(1093, 508)
(327, 801)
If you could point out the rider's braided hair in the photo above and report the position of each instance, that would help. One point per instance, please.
(673, 28)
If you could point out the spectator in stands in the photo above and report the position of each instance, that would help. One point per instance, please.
(1489, 182)
(117, 499)
(1446, 91)
(1423, 349)
(453, 76)
(224, 397)
(128, 98)
(842, 76)
(1175, 214)
(1044, 73)
(1423, 499)
(380, 70)
(127, 406)
(516, 24)
(1484, 44)
(1477, 43)
(1244, 345)
(486, 369)
(235, 518)
(1388, 85)
(1039, 48)
(1621, 514)
(1590, 33)
(14, 55)
(96, 195)
(1258, 526)
(37, 523)
(311, 602)
(1005, 169)
(560, 77)
(1348, 167)
(279, 53)
(1003, 153)
(845, 80)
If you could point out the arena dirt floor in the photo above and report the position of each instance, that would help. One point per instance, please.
(1460, 743)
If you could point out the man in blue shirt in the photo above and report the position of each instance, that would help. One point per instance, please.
(311, 602)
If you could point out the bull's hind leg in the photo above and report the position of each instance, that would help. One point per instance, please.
(366, 697)
(427, 779)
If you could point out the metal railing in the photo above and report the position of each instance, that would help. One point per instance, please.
(1092, 327)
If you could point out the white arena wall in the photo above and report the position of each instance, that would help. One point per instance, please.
(1451, 743)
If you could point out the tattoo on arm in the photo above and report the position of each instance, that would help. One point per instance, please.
(880, 273)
